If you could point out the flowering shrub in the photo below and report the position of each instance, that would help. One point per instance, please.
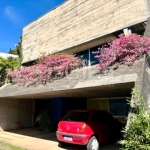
(47, 69)
(125, 49)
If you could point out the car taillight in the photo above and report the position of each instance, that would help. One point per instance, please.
(59, 125)
(82, 128)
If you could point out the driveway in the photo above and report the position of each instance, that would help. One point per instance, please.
(33, 139)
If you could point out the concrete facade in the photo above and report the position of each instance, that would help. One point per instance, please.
(72, 27)
(77, 22)
(146, 80)
(83, 78)
(14, 111)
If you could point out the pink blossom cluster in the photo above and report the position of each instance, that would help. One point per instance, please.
(46, 70)
(125, 49)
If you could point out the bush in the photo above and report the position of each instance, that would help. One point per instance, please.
(125, 49)
(46, 70)
(44, 119)
(6, 66)
(137, 133)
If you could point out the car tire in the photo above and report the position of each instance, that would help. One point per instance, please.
(62, 144)
(93, 144)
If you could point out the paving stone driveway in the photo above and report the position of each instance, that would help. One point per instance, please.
(33, 139)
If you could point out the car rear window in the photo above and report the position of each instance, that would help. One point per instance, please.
(102, 117)
(76, 116)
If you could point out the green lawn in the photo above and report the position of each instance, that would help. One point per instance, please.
(6, 146)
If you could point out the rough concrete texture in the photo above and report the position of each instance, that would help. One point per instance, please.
(79, 79)
(33, 139)
(146, 70)
(146, 80)
(79, 21)
(13, 111)
(147, 31)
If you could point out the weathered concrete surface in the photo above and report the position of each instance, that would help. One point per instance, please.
(146, 70)
(145, 91)
(80, 82)
(147, 31)
(13, 111)
(33, 139)
(79, 21)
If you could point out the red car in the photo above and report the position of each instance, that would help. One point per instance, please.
(88, 127)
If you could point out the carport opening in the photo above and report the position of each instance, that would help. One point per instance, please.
(58, 108)
(117, 106)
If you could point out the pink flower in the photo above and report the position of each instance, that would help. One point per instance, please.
(120, 49)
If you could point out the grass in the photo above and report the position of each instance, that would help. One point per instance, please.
(6, 146)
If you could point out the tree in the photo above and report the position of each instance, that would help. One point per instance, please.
(17, 50)
(6, 66)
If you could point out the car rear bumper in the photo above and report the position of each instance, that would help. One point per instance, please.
(80, 139)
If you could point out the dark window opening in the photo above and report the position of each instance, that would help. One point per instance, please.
(84, 55)
(118, 107)
(94, 60)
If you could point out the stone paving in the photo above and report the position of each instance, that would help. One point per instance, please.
(33, 139)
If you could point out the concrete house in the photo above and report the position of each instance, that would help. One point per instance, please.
(79, 27)
(8, 56)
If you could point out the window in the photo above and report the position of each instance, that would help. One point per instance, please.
(76, 116)
(84, 55)
(93, 60)
(101, 116)
(88, 56)
(118, 107)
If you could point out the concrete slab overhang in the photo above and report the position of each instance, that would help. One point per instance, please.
(83, 82)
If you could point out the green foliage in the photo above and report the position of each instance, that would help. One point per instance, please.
(6, 66)
(137, 132)
(44, 119)
(17, 50)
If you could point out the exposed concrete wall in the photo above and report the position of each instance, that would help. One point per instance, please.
(146, 70)
(15, 111)
(78, 79)
(79, 21)
(146, 80)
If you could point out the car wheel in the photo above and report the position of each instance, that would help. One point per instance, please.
(93, 144)
(62, 144)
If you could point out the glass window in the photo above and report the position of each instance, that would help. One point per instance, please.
(101, 116)
(94, 60)
(84, 55)
(118, 107)
(76, 116)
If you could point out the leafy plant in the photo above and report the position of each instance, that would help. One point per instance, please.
(17, 50)
(125, 49)
(44, 119)
(6, 66)
(137, 132)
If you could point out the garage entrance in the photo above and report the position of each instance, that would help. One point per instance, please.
(108, 98)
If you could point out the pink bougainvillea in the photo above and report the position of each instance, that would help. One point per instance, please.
(125, 49)
(47, 69)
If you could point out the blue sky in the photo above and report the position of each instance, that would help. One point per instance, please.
(15, 14)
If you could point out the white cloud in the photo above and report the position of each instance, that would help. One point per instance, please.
(12, 14)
